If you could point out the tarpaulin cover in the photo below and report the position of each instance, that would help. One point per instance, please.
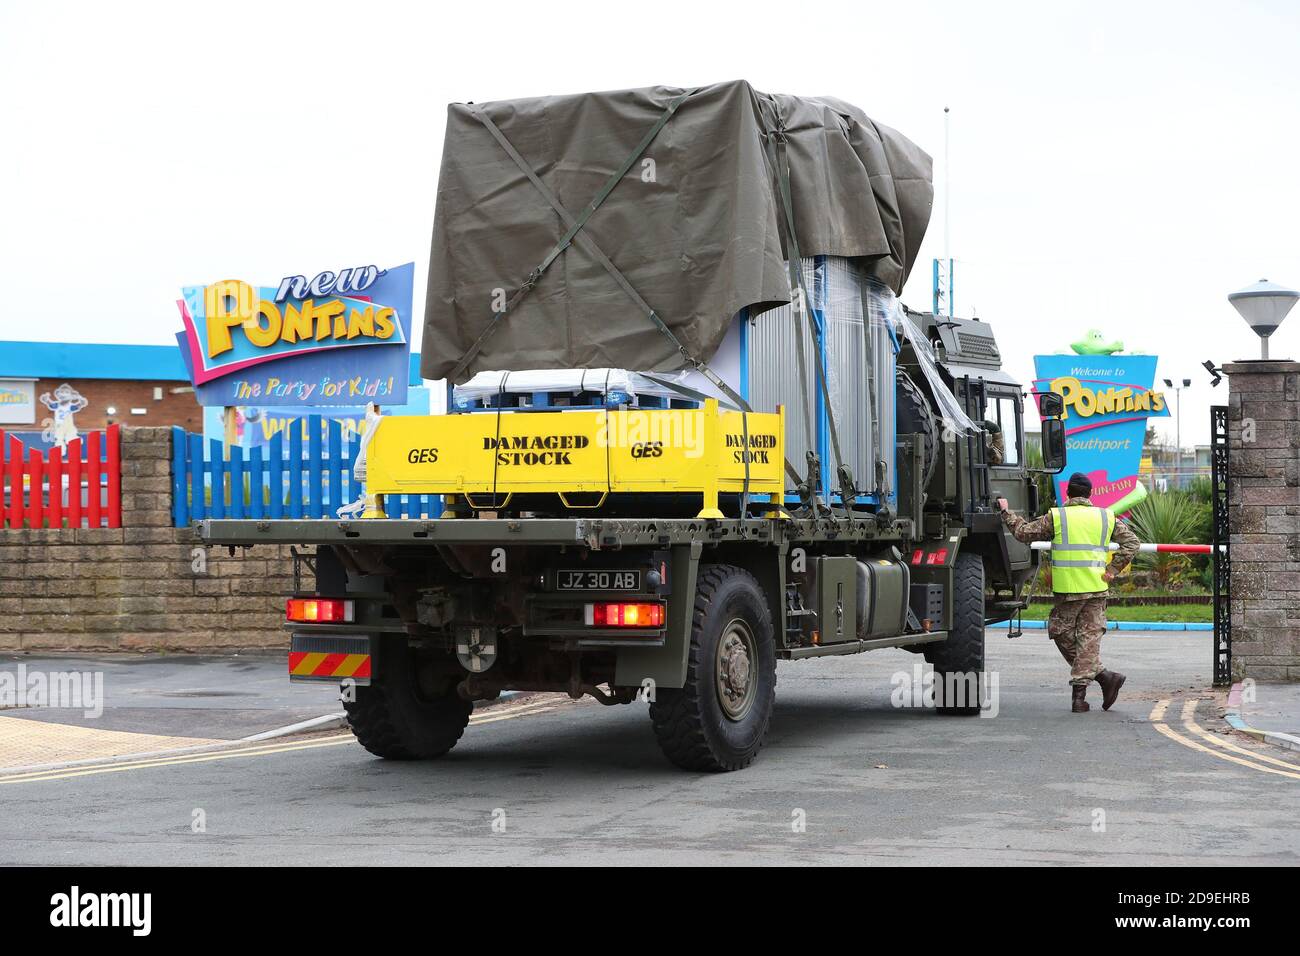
(695, 225)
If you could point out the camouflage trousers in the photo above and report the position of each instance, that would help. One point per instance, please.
(1077, 628)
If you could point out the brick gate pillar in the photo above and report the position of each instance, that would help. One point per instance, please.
(1264, 517)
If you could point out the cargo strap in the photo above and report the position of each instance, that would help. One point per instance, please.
(575, 233)
(364, 505)
(741, 406)
(775, 141)
(744, 409)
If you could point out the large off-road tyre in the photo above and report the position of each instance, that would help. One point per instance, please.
(959, 661)
(916, 418)
(718, 719)
(398, 719)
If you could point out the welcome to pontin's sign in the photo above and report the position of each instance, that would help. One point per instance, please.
(1108, 399)
(338, 338)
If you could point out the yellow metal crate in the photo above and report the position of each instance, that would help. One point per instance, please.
(485, 456)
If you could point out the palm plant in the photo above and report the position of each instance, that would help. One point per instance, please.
(1201, 489)
(1172, 517)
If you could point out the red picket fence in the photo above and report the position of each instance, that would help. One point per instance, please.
(45, 489)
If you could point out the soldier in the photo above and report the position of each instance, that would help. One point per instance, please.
(1080, 534)
(994, 443)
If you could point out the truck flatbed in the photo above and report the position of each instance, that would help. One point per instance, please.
(595, 533)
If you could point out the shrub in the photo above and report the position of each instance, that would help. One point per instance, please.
(1172, 517)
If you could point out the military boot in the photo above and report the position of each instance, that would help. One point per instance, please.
(1111, 682)
(1080, 704)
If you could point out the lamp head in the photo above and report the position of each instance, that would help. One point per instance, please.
(1264, 305)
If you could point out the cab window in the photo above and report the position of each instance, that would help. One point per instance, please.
(1004, 409)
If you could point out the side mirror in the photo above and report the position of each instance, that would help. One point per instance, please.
(1051, 405)
(1053, 445)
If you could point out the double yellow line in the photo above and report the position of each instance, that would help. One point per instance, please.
(1234, 754)
(257, 750)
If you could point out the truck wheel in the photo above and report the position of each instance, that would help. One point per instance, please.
(718, 719)
(397, 719)
(915, 418)
(959, 660)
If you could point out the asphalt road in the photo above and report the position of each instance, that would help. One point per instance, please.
(184, 695)
(872, 783)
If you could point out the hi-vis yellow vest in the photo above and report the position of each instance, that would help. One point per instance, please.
(1079, 548)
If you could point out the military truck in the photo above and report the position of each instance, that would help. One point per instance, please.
(623, 519)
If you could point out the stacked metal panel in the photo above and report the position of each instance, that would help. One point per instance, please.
(769, 353)
(853, 315)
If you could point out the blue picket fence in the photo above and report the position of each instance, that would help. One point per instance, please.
(304, 471)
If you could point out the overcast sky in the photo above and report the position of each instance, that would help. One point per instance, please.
(1121, 166)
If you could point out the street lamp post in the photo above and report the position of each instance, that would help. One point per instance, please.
(1264, 305)
(1178, 426)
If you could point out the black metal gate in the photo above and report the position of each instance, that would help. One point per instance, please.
(1220, 559)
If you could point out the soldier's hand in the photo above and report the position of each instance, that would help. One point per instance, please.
(1108, 575)
(1003, 506)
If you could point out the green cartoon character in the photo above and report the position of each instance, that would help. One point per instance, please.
(1092, 343)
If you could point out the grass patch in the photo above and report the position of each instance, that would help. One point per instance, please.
(1169, 613)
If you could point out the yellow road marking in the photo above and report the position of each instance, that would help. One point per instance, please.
(1188, 716)
(37, 776)
(1191, 724)
(521, 712)
(25, 742)
(1164, 729)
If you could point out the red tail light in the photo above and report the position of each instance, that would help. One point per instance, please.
(619, 614)
(318, 610)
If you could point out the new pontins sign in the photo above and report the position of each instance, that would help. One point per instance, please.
(232, 325)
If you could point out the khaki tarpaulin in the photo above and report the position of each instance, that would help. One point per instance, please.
(695, 225)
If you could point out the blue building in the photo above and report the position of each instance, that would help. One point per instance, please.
(131, 384)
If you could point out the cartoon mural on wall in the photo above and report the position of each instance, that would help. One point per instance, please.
(64, 403)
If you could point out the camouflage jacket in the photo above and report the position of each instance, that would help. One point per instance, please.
(1043, 528)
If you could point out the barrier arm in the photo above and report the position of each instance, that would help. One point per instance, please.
(1147, 548)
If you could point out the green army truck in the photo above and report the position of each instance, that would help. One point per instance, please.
(824, 484)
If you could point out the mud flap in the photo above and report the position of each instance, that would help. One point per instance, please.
(332, 658)
(665, 666)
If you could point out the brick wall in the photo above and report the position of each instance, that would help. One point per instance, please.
(1264, 517)
(174, 408)
(137, 587)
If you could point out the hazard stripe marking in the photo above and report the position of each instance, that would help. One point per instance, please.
(305, 664)
(329, 666)
(351, 664)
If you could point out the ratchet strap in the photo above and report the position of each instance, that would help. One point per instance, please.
(740, 406)
(776, 150)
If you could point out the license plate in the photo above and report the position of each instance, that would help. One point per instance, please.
(588, 580)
